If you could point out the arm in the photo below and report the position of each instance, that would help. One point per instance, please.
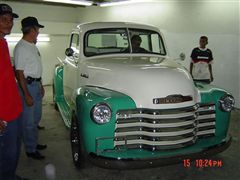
(42, 89)
(191, 68)
(2, 126)
(210, 70)
(22, 82)
(193, 56)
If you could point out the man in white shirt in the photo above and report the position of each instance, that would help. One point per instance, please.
(29, 72)
(201, 64)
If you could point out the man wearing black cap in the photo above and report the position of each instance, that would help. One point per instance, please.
(29, 72)
(10, 102)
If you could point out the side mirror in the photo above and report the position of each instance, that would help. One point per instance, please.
(69, 52)
(182, 56)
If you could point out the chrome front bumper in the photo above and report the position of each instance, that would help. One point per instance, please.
(112, 163)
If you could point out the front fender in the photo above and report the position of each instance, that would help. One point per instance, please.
(87, 97)
(211, 94)
(58, 83)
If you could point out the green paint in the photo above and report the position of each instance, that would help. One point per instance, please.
(87, 98)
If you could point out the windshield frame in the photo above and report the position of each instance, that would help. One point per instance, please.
(130, 50)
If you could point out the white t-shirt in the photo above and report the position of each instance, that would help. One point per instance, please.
(201, 58)
(28, 59)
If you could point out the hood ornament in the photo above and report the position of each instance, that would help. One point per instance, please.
(171, 99)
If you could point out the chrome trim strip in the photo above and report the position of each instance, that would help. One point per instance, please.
(150, 116)
(210, 131)
(154, 125)
(210, 116)
(206, 124)
(154, 134)
(211, 108)
(153, 143)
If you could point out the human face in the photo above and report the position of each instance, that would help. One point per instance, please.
(35, 32)
(203, 42)
(6, 24)
(136, 44)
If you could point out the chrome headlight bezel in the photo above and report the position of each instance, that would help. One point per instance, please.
(227, 103)
(101, 113)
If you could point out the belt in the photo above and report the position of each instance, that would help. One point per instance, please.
(31, 79)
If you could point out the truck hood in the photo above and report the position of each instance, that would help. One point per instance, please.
(144, 79)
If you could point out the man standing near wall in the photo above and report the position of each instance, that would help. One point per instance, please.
(201, 64)
(29, 71)
(10, 102)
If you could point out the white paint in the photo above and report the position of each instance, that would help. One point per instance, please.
(142, 78)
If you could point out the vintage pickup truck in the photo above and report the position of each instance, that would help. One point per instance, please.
(129, 108)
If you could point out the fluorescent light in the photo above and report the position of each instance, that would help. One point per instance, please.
(76, 2)
(123, 2)
(15, 37)
(43, 39)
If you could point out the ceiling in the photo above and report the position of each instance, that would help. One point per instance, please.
(95, 2)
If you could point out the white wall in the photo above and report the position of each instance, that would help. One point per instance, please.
(58, 22)
(183, 22)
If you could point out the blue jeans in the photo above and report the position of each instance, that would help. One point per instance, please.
(31, 116)
(10, 148)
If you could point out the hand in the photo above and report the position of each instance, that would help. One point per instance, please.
(211, 78)
(2, 126)
(42, 91)
(29, 100)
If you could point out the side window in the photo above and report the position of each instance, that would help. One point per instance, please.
(156, 44)
(75, 45)
(145, 42)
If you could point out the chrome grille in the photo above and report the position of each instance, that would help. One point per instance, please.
(155, 129)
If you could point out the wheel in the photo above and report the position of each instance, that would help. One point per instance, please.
(77, 154)
(55, 104)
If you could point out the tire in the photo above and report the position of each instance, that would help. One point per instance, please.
(55, 104)
(77, 155)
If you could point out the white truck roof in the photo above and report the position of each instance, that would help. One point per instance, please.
(99, 25)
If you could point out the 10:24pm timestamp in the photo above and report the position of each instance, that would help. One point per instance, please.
(202, 163)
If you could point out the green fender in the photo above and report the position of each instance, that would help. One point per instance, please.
(211, 94)
(86, 99)
(58, 83)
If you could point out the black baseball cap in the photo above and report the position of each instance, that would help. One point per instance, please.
(30, 21)
(6, 9)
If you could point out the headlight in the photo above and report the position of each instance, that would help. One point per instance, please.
(227, 103)
(101, 113)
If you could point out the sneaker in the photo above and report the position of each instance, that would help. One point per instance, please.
(35, 155)
(40, 127)
(41, 146)
(20, 178)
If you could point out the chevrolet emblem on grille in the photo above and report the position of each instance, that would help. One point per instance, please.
(172, 99)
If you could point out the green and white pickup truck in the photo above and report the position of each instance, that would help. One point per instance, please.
(130, 109)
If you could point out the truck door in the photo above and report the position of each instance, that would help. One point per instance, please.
(71, 68)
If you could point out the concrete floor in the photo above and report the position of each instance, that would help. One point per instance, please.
(58, 153)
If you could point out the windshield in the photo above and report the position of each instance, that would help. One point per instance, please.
(114, 40)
